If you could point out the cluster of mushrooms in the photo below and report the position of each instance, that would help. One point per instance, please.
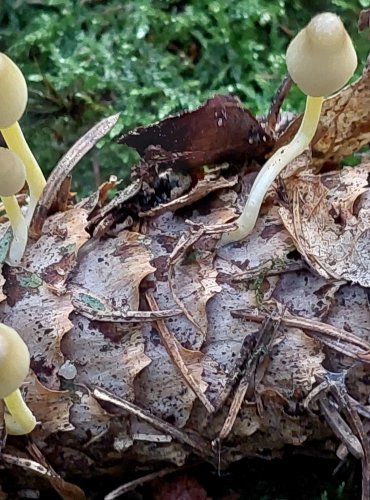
(17, 166)
(17, 163)
(320, 59)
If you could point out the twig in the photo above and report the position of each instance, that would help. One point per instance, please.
(279, 98)
(344, 342)
(197, 444)
(352, 434)
(173, 347)
(178, 253)
(132, 485)
(96, 308)
(259, 355)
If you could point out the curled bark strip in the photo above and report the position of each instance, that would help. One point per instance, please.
(64, 168)
(126, 194)
(201, 190)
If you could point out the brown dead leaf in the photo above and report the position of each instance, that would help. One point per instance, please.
(31, 299)
(117, 351)
(351, 312)
(114, 269)
(325, 226)
(221, 130)
(54, 255)
(307, 356)
(105, 187)
(92, 421)
(51, 408)
(106, 210)
(188, 362)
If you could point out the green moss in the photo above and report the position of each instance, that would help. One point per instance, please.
(86, 60)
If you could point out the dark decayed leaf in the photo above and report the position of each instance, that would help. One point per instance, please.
(364, 20)
(221, 130)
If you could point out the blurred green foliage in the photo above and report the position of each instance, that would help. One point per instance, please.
(84, 60)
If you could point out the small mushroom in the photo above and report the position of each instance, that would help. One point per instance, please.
(14, 367)
(12, 179)
(320, 59)
(13, 100)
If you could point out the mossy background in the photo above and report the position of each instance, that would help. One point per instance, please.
(84, 60)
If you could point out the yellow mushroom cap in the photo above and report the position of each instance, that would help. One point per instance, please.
(14, 361)
(321, 57)
(12, 173)
(13, 92)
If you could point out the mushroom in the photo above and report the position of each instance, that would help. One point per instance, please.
(12, 179)
(320, 59)
(13, 100)
(14, 367)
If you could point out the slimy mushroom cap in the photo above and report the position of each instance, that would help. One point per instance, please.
(14, 361)
(321, 57)
(12, 173)
(13, 92)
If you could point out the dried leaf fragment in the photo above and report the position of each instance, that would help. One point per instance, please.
(114, 269)
(51, 408)
(327, 227)
(199, 191)
(30, 298)
(221, 130)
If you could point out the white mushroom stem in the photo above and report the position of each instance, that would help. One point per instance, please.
(320, 59)
(272, 169)
(15, 140)
(20, 419)
(19, 228)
